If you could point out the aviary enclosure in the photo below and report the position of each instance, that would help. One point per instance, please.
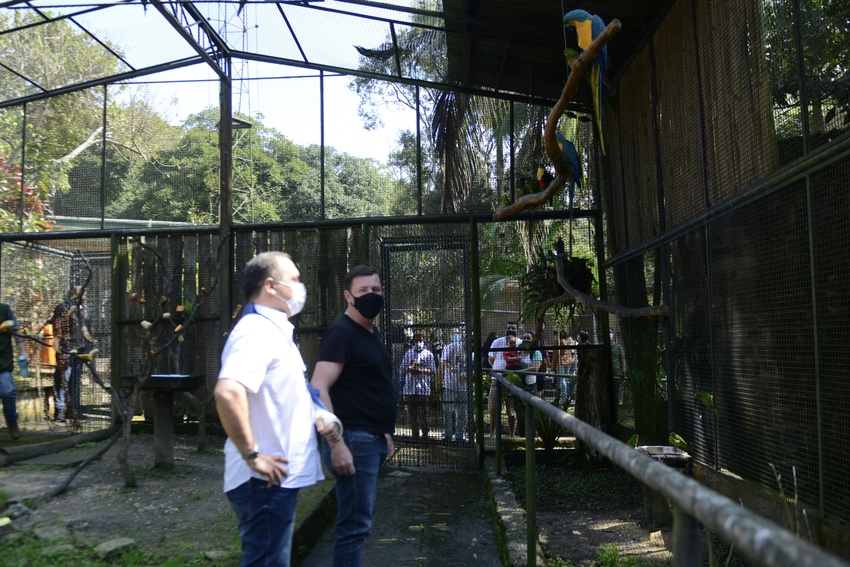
(392, 137)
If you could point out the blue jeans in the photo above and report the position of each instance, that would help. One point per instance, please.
(355, 495)
(565, 389)
(266, 522)
(9, 397)
(74, 383)
(455, 413)
(59, 390)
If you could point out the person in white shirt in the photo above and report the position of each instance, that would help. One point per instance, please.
(455, 388)
(268, 412)
(418, 368)
(497, 362)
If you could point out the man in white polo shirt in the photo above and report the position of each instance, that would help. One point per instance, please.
(268, 413)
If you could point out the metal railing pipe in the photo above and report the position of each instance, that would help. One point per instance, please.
(756, 537)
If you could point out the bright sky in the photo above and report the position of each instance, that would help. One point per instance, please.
(290, 106)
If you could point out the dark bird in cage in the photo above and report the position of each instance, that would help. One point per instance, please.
(560, 249)
(382, 54)
(588, 27)
(576, 271)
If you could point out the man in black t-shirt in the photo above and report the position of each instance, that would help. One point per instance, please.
(354, 377)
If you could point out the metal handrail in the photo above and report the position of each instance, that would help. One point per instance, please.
(693, 503)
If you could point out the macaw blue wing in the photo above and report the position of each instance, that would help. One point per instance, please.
(571, 156)
(589, 27)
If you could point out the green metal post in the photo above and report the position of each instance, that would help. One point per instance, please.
(498, 428)
(364, 244)
(687, 540)
(476, 338)
(117, 298)
(530, 487)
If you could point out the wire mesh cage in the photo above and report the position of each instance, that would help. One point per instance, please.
(39, 280)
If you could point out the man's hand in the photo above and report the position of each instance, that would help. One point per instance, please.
(390, 446)
(271, 467)
(341, 458)
(332, 432)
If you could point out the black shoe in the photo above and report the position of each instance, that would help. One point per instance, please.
(60, 417)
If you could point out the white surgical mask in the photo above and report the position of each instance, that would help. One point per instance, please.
(298, 299)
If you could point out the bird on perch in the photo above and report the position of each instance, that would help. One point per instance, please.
(571, 156)
(588, 27)
(544, 178)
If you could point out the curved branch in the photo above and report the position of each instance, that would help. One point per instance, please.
(63, 486)
(572, 295)
(550, 142)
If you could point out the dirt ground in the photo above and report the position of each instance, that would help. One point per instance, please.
(578, 535)
(185, 513)
(181, 513)
(581, 511)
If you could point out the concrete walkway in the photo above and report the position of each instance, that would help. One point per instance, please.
(425, 517)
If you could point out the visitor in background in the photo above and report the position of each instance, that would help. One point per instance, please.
(7, 364)
(455, 389)
(565, 365)
(497, 363)
(418, 368)
(532, 359)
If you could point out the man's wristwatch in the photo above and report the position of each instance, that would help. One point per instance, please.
(253, 454)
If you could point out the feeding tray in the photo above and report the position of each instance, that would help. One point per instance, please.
(168, 382)
(670, 456)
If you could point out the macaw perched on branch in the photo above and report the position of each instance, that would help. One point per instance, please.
(571, 155)
(544, 178)
(588, 27)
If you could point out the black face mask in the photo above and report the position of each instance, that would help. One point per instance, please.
(369, 304)
(510, 333)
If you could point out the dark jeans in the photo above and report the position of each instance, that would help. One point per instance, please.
(417, 407)
(9, 397)
(355, 495)
(266, 521)
(67, 383)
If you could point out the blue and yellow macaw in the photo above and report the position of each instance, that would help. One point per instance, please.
(571, 156)
(588, 27)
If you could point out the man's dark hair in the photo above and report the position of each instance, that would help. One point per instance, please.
(583, 336)
(259, 268)
(356, 272)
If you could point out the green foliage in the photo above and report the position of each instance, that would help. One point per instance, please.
(28, 551)
(610, 556)
(33, 198)
(540, 284)
(556, 561)
(824, 42)
(548, 430)
(273, 178)
(58, 55)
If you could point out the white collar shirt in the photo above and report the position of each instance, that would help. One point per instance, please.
(260, 354)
